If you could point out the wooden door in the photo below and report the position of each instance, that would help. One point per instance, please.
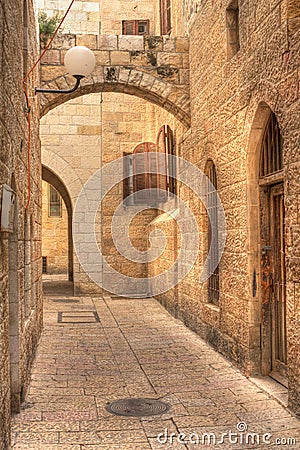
(274, 339)
(278, 305)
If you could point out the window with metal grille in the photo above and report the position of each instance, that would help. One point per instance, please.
(145, 175)
(54, 205)
(165, 17)
(271, 154)
(44, 264)
(212, 209)
(232, 26)
(135, 27)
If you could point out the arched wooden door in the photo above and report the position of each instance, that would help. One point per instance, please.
(274, 335)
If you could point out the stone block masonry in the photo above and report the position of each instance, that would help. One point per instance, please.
(20, 251)
(72, 139)
(155, 67)
(138, 350)
(232, 98)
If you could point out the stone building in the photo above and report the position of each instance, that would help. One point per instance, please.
(243, 134)
(216, 83)
(20, 235)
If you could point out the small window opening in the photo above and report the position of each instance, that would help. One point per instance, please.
(232, 25)
(135, 27)
(55, 202)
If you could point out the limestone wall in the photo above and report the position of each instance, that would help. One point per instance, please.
(55, 236)
(99, 17)
(86, 133)
(232, 89)
(230, 99)
(20, 251)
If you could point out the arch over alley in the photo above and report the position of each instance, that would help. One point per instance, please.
(154, 68)
(50, 177)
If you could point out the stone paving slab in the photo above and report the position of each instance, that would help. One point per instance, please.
(138, 350)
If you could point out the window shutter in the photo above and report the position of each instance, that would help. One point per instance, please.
(161, 148)
(148, 172)
(126, 174)
(165, 17)
(171, 168)
(135, 27)
(142, 180)
(128, 27)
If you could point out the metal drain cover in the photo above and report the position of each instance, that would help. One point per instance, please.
(137, 407)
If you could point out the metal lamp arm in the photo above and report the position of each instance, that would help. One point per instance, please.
(63, 91)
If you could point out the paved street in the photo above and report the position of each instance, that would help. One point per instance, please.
(137, 349)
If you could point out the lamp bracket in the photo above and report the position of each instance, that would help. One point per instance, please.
(63, 91)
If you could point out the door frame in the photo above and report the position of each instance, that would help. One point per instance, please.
(259, 114)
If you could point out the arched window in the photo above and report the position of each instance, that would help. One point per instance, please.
(271, 152)
(145, 175)
(212, 209)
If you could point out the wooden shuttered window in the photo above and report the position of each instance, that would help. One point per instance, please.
(165, 144)
(165, 17)
(143, 182)
(135, 27)
(128, 178)
(212, 209)
(145, 174)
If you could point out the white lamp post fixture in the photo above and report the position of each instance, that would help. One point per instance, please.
(79, 61)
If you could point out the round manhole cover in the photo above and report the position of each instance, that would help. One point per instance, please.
(137, 407)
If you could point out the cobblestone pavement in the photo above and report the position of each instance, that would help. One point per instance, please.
(137, 350)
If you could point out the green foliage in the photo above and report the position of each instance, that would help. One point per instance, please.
(47, 25)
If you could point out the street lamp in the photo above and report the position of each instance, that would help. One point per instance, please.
(79, 61)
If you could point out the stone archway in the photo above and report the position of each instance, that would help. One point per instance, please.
(148, 67)
(50, 177)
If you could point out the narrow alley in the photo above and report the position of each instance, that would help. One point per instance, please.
(96, 350)
(149, 224)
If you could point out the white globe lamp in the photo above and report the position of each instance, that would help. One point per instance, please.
(80, 62)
